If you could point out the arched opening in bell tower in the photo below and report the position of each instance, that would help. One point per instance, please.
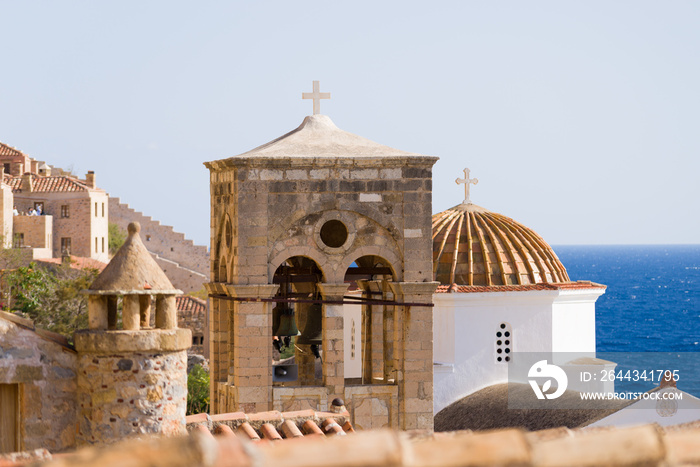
(369, 325)
(296, 323)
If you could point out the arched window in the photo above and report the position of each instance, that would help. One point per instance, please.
(504, 343)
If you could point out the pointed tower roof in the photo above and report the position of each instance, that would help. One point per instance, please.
(132, 271)
(317, 136)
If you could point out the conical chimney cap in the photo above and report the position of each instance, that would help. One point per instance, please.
(132, 271)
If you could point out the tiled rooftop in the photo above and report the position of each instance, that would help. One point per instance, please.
(190, 304)
(60, 183)
(580, 285)
(273, 425)
(647, 445)
(6, 150)
(77, 262)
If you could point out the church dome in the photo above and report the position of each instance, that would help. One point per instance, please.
(473, 246)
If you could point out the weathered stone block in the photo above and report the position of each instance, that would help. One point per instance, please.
(27, 373)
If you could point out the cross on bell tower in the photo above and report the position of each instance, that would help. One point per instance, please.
(466, 181)
(316, 95)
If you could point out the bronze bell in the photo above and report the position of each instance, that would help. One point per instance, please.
(288, 324)
(276, 313)
(313, 331)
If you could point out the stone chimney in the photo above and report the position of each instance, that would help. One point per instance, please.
(34, 166)
(131, 380)
(90, 179)
(27, 183)
(44, 169)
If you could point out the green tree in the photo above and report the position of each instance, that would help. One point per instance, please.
(51, 296)
(197, 391)
(115, 237)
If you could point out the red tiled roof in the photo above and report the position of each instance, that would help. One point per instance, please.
(6, 150)
(190, 303)
(49, 184)
(648, 445)
(77, 262)
(273, 425)
(455, 288)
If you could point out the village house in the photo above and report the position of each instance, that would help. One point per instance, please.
(71, 215)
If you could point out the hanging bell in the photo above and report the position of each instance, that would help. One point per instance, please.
(288, 324)
(313, 331)
(276, 313)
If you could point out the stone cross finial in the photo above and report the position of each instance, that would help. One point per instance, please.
(316, 95)
(466, 180)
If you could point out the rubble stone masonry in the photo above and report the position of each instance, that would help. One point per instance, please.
(130, 383)
(44, 371)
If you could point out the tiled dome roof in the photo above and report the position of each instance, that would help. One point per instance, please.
(473, 246)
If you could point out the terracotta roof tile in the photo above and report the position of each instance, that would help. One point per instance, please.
(273, 425)
(191, 304)
(455, 288)
(473, 246)
(6, 150)
(77, 262)
(640, 445)
(40, 184)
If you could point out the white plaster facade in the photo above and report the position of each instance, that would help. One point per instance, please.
(465, 327)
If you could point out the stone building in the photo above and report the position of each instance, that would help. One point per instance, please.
(503, 291)
(74, 216)
(192, 315)
(134, 379)
(37, 387)
(294, 222)
(121, 378)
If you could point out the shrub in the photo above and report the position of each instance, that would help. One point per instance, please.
(197, 391)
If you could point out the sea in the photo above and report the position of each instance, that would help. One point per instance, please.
(649, 317)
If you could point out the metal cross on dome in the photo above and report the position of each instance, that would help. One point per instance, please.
(316, 95)
(466, 180)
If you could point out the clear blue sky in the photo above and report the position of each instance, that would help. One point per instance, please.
(580, 119)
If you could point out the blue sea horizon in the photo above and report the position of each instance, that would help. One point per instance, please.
(651, 304)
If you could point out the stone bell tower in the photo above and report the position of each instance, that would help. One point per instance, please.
(132, 378)
(295, 224)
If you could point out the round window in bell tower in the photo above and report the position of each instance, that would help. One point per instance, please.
(334, 234)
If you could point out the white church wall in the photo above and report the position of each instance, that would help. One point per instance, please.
(465, 326)
(573, 321)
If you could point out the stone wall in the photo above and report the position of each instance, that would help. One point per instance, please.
(43, 365)
(35, 230)
(130, 383)
(192, 315)
(186, 264)
(268, 210)
(7, 201)
(87, 215)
